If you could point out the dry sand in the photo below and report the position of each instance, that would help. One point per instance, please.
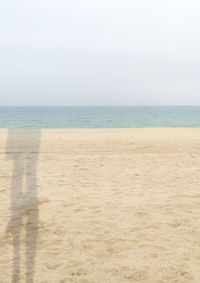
(112, 205)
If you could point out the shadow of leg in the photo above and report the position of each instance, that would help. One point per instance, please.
(15, 223)
(32, 215)
(16, 231)
(31, 241)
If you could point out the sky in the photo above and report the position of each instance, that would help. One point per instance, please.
(108, 52)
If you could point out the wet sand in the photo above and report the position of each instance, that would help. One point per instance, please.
(107, 205)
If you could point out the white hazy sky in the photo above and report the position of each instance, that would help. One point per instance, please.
(108, 52)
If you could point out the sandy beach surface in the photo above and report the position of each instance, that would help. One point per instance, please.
(98, 206)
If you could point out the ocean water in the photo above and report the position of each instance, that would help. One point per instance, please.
(100, 117)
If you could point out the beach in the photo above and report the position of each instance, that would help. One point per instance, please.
(100, 205)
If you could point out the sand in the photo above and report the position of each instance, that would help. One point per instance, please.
(107, 205)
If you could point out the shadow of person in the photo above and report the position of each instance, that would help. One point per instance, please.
(22, 149)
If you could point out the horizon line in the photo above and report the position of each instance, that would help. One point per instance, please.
(137, 105)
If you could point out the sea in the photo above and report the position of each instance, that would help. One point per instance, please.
(99, 117)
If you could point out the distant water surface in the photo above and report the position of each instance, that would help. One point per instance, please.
(100, 117)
